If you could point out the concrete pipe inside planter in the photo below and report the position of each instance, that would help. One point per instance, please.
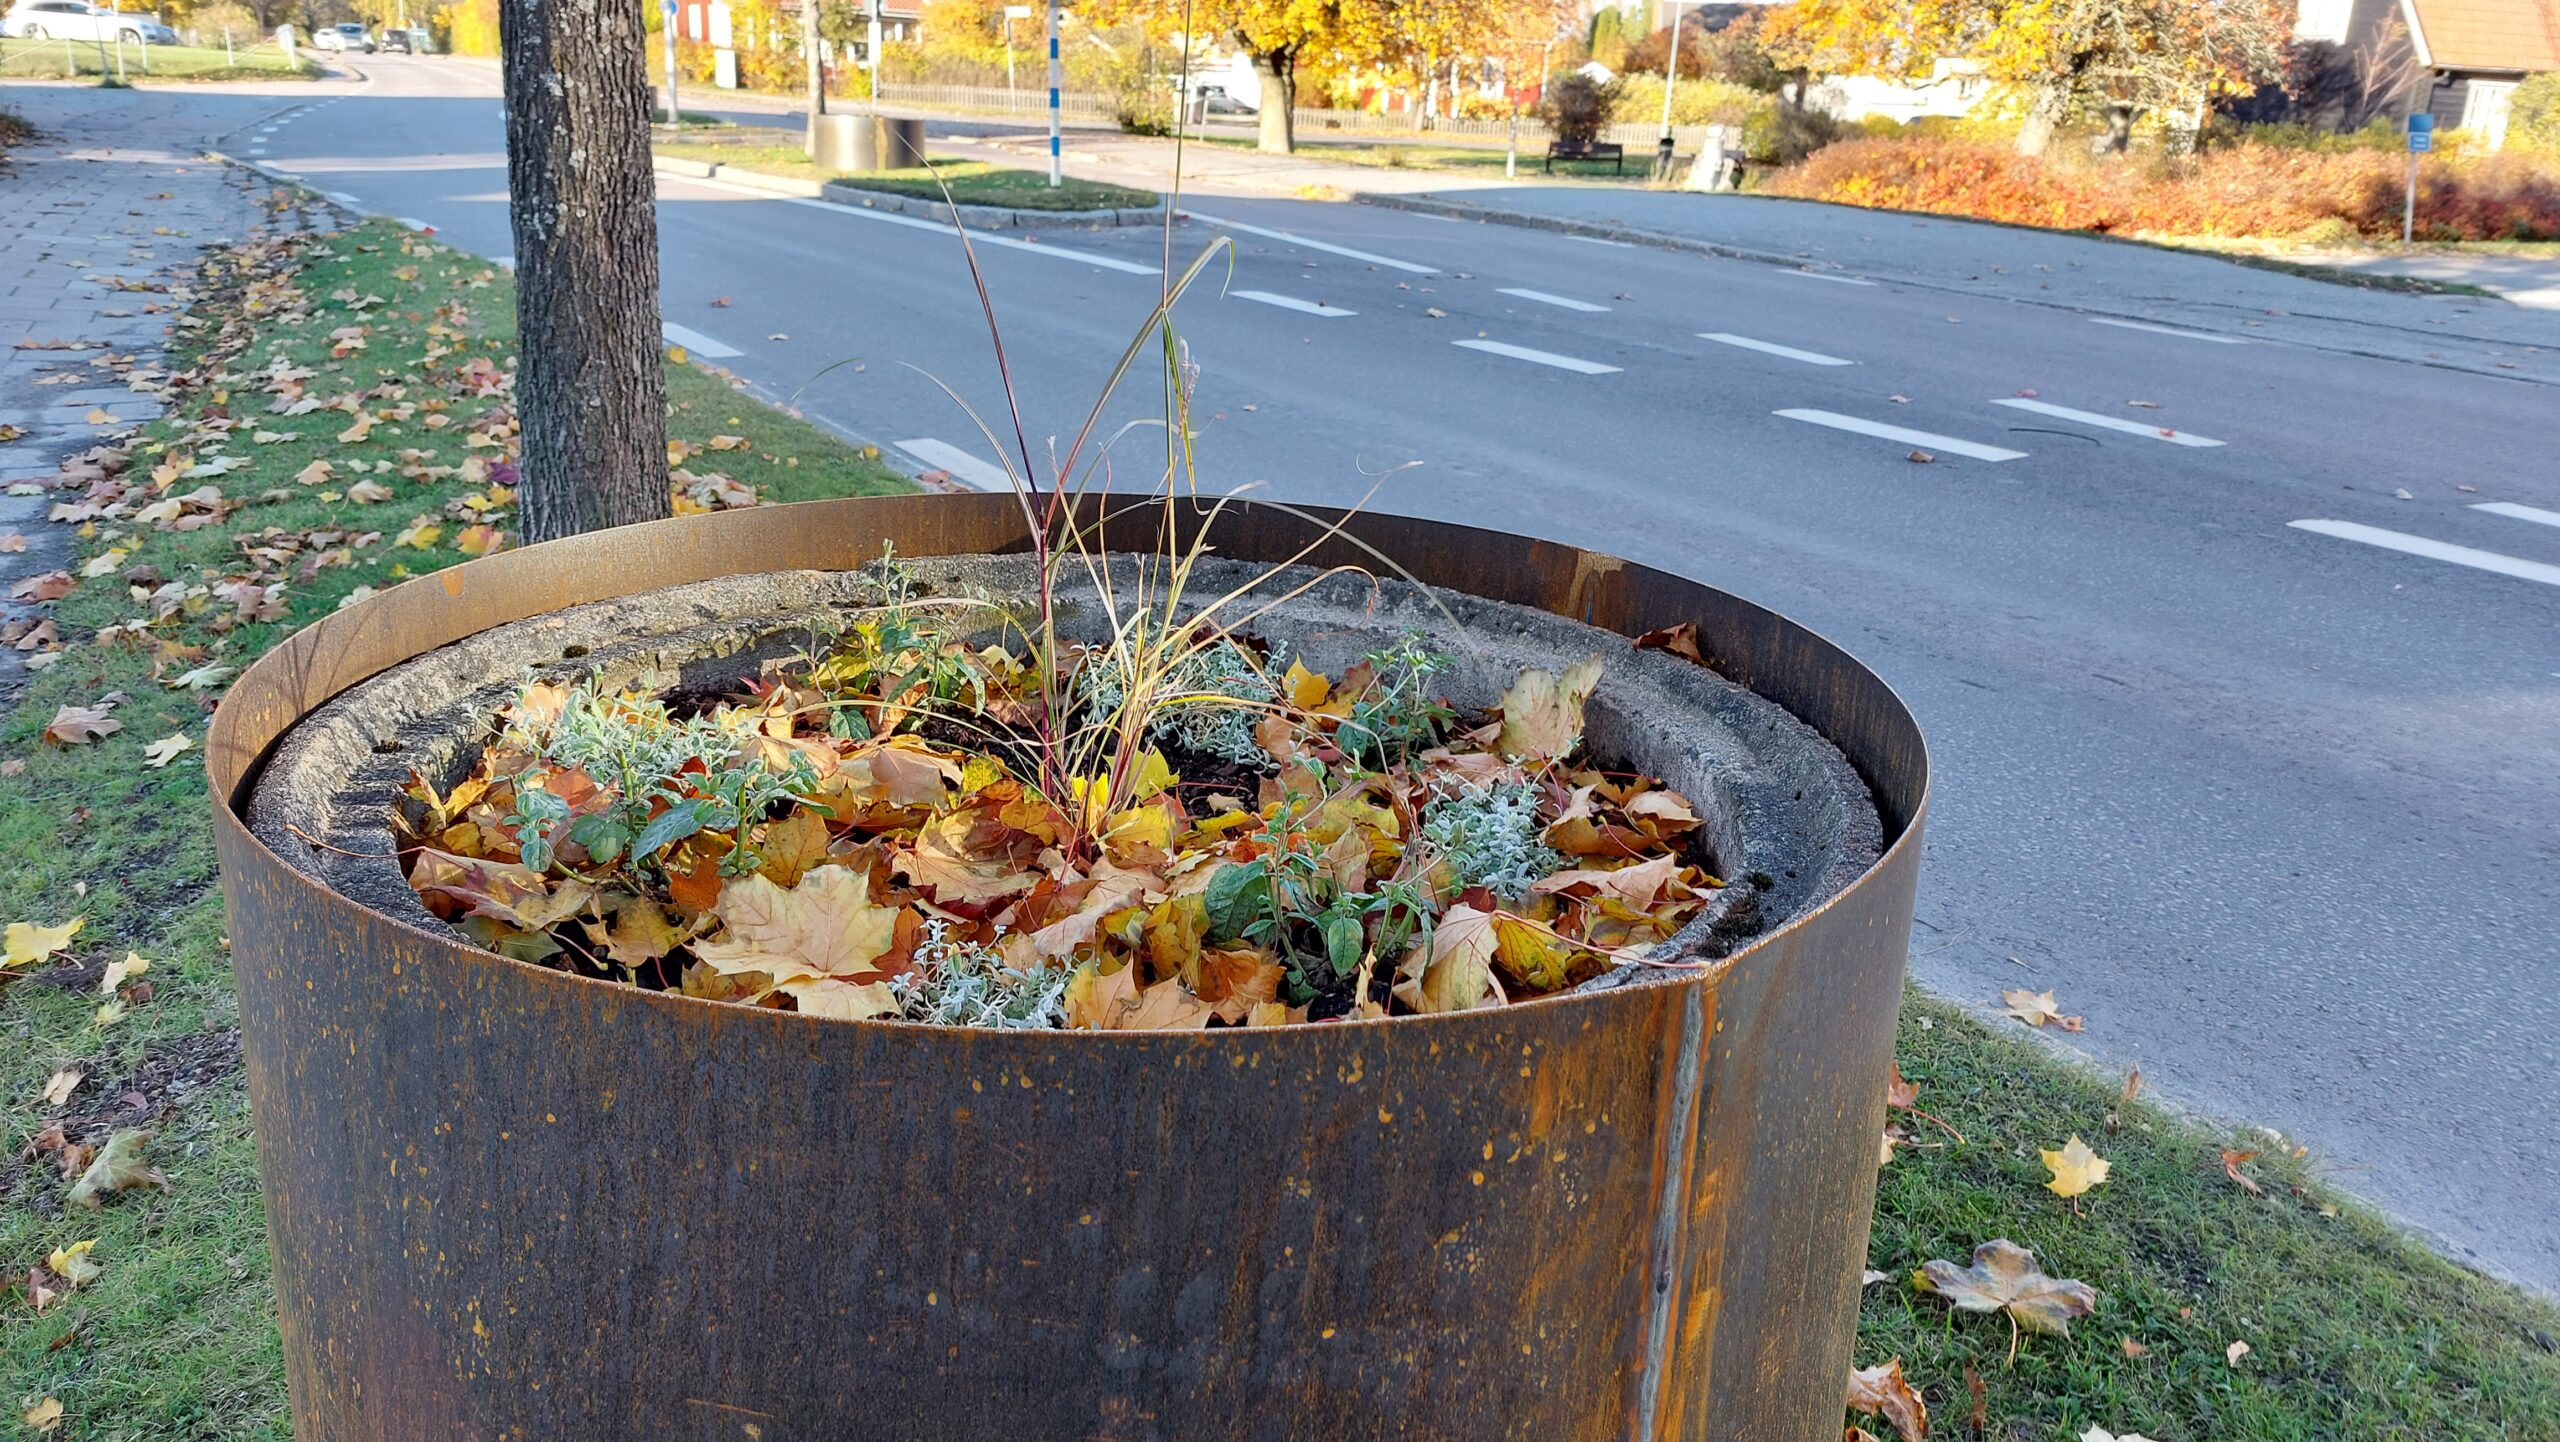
(506, 1202)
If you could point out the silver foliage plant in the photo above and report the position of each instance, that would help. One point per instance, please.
(961, 983)
(1491, 838)
(1227, 690)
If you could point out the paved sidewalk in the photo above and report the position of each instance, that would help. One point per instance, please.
(95, 217)
(2527, 280)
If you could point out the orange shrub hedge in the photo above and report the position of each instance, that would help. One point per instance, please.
(2246, 189)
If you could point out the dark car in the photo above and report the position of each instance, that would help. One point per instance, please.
(395, 42)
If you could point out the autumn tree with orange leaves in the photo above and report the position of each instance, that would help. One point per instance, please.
(1275, 33)
(2055, 58)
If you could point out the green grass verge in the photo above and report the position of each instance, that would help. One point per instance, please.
(25, 59)
(2355, 1334)
(177, 1337)
(971, 182)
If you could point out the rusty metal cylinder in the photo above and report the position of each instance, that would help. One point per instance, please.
(508, 1203)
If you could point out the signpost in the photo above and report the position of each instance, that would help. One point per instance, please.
(2422, 138)
(667, 32)
(1011, 14)
(1057, 78)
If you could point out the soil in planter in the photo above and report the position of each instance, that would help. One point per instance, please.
(871, 829)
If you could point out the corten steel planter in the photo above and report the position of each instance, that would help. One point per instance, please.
(508, 1203)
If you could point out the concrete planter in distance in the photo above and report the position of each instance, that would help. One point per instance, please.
(507, 1202)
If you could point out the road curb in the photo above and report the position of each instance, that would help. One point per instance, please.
(976, 217)
(1592, 230)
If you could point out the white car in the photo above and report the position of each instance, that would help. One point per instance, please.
(77, 20)
(349, 36)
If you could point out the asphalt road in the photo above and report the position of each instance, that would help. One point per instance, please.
(2273, 805)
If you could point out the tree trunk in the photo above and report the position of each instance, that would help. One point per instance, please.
(817, 70)
(2119, 128)
(1278, 72)
(2043, 114)
(590, 394)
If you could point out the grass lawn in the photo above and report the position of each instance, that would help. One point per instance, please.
(56, 57)
(2354, 1333)
(971, 182)
(176, 1338)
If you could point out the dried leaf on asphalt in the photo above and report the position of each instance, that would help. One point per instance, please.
(2004, 1278)
(118, 1167)
(2035, 1008)
(1882, 1392)
(2075, 1168)
(1923, 457)
(2231, 1162)
(28, 943)
(50, 586)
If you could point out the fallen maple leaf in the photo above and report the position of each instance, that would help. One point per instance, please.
(1113, 1002)
(59, 1087)
(1680, 640)
(114, 979)
(1921, 457)
(1980, 1418)
(2232, 1354)
(27, 943)
(367, 493)
(72, 1264)
(80, 725)
(2101, 1434)
(1882, 1392)
(1456, 973)
(1905, 1096)
(50, 586)
(817, 942)
(2004, 1278)
(165, 750)
(119, 1167)
(2133, 1349)
(2075, 1168)
(1542, 712)
(2231, 1161)
(47, 1414)
(2035, 1008)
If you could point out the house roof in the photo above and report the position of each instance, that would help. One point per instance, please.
(2508, 35)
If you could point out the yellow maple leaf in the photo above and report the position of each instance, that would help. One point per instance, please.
(27, 943)
(1306, 689)
(817, 942)
(1542, 712)
(117, 971)
(44, 1416)
(72, 1263)
(2075, 1168)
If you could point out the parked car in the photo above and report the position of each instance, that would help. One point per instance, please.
(78, 20)
(349, 36)
(1216, 100)
(395, 40)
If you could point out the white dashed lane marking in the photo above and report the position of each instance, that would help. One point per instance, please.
(1834, 279)
(1809, 357)
(1291, 302)
(2434, 550)
(2513, 511)
(1952, 445)
(1560, 301)
(2168, 330)
(1292, 238)
(691, 339)
(964, 467)
(2113, 423)
(1538, 357)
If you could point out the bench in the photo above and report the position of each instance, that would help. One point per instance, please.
(1586, 150)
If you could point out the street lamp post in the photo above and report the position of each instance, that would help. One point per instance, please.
(1670, 78)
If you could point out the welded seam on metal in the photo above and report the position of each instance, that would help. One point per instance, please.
(1666, 1215)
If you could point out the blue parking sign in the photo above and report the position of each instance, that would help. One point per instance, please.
(2422, 134)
